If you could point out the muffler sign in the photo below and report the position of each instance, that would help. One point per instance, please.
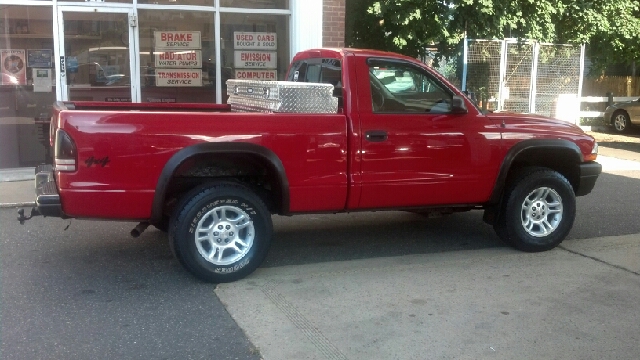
(248, 59)
(178, 77)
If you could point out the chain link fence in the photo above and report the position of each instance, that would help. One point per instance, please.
(483, 76)
(525, 77)
(558, 72)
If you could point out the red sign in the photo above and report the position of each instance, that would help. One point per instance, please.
(247, 59)
(255, 40)
(267, 75)
(177, 40)
(179, 59)
(178, 77)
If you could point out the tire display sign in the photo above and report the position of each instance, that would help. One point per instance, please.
(248, 59)
(14, 67)
(179, 59)
(178, 77)
(266, 75)
(255, 40)
(177, 40)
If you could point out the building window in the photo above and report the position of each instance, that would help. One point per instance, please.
(256, 4)
(254, 47)
(27, 88)
(177, 56)
(178, 2)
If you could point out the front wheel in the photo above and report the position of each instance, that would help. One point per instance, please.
(539, 211)
(221, 233)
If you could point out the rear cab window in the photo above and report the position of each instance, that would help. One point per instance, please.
(319, 70)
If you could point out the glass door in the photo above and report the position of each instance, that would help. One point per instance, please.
(97, 54)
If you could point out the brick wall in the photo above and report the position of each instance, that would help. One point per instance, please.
(333, 23)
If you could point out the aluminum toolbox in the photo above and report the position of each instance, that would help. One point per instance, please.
(281, 97)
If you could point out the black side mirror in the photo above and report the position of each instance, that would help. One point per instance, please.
(457, 105)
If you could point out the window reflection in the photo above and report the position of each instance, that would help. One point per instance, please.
(254, 47)
(177, 56)
(27, 84)
(256, 4)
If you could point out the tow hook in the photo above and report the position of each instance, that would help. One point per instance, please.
(139, 229)
(22, 218)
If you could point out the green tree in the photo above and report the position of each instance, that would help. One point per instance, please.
(611, 29)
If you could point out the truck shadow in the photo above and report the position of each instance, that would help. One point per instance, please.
(321, 238)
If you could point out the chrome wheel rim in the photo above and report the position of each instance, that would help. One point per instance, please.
(541, 212)
(620, 122)
(224, 235)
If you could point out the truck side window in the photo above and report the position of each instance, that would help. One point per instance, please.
(398, 87)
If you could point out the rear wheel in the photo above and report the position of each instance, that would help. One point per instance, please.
(538, 212)
(221, 233)
(621, 122)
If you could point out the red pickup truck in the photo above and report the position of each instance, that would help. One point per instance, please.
(402, 138)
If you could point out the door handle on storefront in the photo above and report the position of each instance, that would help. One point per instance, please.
(375, 135)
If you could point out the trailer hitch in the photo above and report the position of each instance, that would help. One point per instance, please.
(22, 218)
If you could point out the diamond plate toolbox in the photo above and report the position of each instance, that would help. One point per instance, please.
(281, 97)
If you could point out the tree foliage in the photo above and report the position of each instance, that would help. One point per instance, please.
(610, 28)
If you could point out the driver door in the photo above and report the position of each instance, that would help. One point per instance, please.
(415, 151)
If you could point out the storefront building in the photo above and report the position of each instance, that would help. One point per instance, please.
(166, 51)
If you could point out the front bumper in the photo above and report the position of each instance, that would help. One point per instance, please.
(47, 196)
(589, 173)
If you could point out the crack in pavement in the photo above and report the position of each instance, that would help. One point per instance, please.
(599, 260)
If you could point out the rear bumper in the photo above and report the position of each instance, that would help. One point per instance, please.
(47, 196)
(589, 173)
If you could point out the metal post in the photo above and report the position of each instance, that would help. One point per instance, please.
(581, 80)
(465, 55)
(503, 74)
(534, 78)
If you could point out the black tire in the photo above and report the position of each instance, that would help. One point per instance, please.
(237, 235)
(538, 211)
(621, 122)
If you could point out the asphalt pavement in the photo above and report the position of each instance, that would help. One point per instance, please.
(352, 286)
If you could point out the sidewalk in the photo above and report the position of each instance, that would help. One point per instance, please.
(17, 187)
(579, 301)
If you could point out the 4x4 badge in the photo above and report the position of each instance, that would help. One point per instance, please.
(93, 161)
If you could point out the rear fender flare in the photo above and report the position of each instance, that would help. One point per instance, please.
(217, 148)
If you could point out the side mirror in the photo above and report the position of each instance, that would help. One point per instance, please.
(457, 105)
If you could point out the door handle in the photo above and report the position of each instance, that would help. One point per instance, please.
(376, 135)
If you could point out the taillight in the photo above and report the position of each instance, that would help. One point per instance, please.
(66, 153)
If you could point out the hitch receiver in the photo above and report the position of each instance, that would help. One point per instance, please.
(22, 218)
